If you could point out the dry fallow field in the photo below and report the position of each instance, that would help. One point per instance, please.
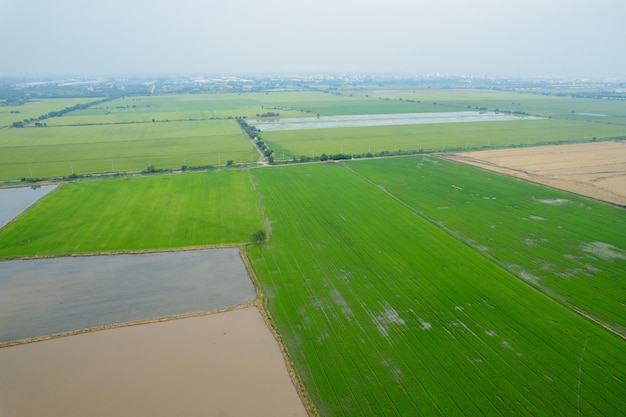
(595, 169)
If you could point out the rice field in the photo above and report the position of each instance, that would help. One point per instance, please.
(414, 320)
(62, 151)
(403, 286)
(137, 214)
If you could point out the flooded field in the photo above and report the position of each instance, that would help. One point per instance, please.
(330, 122)
(225, 364)
(14, 201)
(596, 170)
(48, 296)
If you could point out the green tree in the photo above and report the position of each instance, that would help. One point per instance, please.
(258, 236)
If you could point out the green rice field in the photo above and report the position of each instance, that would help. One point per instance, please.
(563, 244)
(413, 320)
(404, 286)
(433, 137)
(62, 151)
(168, 131)
(147, 213)
(36, 108)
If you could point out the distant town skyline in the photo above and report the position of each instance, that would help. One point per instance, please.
(576, 38)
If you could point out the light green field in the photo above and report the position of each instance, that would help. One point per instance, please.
(612, 111)
(385, 313)
(572, 248)
(129, 134)
(36, 108)
(159, 212)
(59, 151)
(433, 137)
(210, 106)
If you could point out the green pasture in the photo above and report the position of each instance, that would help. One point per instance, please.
(572, 248)
(61, 151)
(212, 106)
(172, 108)
(613, 111)
(385, 313)
(34, 109)
(434, 137)
(144, 213)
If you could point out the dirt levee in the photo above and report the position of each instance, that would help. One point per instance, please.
(225, 364)
(596, 170)
(47, 296)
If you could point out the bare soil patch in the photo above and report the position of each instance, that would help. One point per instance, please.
(226, 364)
(596, 170)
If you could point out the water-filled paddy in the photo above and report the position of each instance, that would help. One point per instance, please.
(331, 122)
(48, 296)
(225, 364)
(13, 201)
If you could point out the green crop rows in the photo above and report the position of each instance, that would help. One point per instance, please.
(61, 151)
(387, 314)
(566, 245)
(160, 212)
(167, 132)
(403, 286)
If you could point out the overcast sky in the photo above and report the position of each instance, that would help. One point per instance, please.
(475, 37)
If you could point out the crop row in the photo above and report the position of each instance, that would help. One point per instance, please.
(566, 245)
(413, 320)
(147, 213)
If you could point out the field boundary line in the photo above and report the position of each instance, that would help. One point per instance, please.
(125, 324)
(262, 303)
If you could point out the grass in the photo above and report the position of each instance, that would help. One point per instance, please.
(146, 213)
(567, 246)
(33, 109)
(536, 104)
(59, 151)
(130, 133)
(413, 321)
(434, 137)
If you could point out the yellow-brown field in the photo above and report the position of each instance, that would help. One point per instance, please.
(596, 170)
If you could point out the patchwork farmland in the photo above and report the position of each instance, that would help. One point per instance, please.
(399, 286)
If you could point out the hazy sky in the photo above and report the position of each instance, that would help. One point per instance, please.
(490, 37)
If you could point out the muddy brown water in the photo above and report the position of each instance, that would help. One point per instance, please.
(42, 297)
(14, 201)
(225, 364)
